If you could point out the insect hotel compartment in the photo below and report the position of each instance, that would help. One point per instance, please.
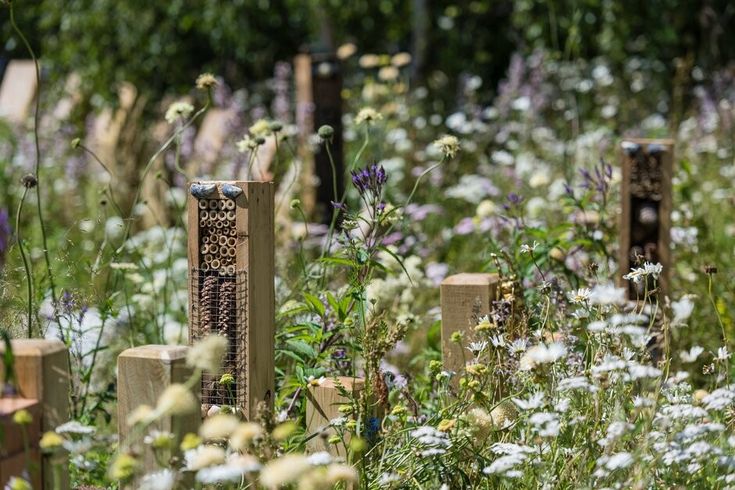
(646, 207)
(231, 286)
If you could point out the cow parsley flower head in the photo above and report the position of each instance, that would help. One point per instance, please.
(284, 470)
(542, 354)
(207, 354)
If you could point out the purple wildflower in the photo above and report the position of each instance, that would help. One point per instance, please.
(4, 234)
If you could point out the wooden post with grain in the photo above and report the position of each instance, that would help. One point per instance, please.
(14, 461)
(322, 406)
(305, 125)
(646, 203)
(42, 371)
(231, 286)
(464, 299)
(319, 102)
(18, 91)
(143, 374)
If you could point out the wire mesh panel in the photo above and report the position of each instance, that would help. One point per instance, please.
(231, 275)
(222, 302)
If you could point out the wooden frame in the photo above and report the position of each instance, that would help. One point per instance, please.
(244, 305)
(646, 203)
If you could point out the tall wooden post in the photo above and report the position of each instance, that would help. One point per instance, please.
(464, 299)
(143, 374)
(42, 372)
(645, 226)
(322, 406)
(324, 80)
(231, 285)
(305, 124)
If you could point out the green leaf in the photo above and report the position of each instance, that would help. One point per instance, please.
(316, 305)
(301, 347)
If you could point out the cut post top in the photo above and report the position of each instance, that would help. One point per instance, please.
(34, 347)
(348, 382)
(166, 353)
(471, 279)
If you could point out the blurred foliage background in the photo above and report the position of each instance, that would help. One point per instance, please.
(162, 46)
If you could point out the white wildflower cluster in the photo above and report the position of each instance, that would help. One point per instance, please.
(512, 456)
(433, 442)
(638, 274)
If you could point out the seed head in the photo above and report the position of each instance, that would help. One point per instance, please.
(29, 181)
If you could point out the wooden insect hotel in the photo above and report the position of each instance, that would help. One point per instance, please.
(646, 209)
(231, 259)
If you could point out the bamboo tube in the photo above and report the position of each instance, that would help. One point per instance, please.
(212, 204)
(215, 264)
(221, 204)
(232, 241)
(230, 215)
(202, 204)
(229, 205)
(221, 216)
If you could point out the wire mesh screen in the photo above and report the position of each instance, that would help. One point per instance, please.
(219, 300)
(221, 308)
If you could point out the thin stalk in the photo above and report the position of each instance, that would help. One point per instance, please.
(37, 171)
(26, 264)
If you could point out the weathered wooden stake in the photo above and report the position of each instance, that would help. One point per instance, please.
(231, 285)
(645, 227)
(14, 461)
(42, 372)
(18, 90)
(322, 406)
(464, 299)
(143, 374)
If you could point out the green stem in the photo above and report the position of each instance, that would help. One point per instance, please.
(36, 119)
(26, 265)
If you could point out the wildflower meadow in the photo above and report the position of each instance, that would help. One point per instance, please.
(389, 245)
